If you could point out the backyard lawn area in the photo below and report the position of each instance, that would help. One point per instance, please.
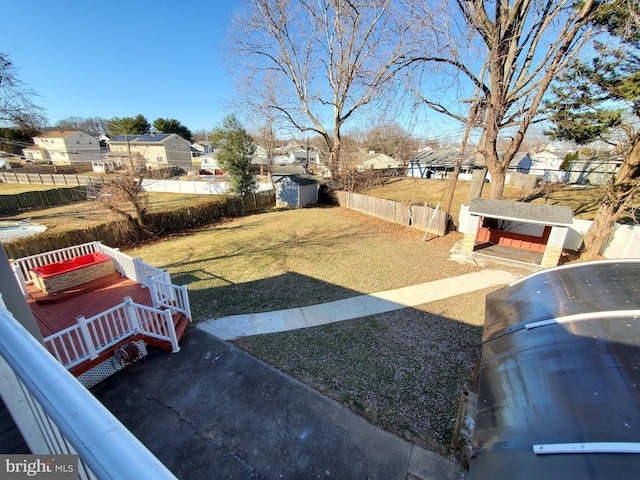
(404, 370)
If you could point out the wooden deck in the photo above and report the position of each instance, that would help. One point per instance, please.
(56, 312)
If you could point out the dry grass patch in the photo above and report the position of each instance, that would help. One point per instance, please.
(284, 259)
(433, 192)
(403, 370)
(81, 215)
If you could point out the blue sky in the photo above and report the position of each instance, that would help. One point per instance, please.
(117, 58)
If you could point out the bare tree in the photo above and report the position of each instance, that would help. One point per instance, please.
(16, 104)
(524, 44)
(391, 139)
(94, 126)
(322, 60)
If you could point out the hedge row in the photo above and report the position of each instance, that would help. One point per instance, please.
(123, 234)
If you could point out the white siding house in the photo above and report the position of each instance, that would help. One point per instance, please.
(63, 148)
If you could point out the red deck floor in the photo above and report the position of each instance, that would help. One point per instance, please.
(61, 313)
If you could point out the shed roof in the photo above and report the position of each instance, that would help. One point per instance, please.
(298, 179)
(559, 365)
(522, 212)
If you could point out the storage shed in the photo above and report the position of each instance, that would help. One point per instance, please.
(525, 232)
(295, 191)
(559, 376)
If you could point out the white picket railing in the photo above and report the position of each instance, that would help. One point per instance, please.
(91, 336)
(26, 263)
(174, 297)
(156, 324)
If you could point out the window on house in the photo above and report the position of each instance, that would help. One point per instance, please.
(183, 146)
(159, 159)
(175, 146)
(62, 154)
(77, 142)
(90, 142)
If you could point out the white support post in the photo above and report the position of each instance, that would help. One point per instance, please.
(132, 315)
(20, 278)
(86, 335)
(172, 331)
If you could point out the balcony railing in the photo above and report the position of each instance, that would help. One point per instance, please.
(57, 415)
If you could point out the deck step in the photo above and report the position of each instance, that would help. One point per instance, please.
(180, 323)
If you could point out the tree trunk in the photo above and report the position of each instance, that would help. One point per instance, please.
(497, 179)
(599, 231)
(614, 205)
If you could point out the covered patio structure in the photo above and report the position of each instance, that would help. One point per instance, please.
(521, 232)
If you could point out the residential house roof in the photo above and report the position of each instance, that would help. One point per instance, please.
(447, 158)
(378, 160)
(57, 134)
(144, 138)
(521, 211)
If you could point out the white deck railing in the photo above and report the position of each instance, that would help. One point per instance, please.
(90, 336)
(26, 263)
(133, 268)
(174, 297)
(57, 415)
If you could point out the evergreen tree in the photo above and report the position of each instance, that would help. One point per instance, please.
(171, 125)
(600, 100)
(128, 125)
(234, 153)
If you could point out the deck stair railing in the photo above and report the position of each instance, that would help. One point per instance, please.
(170, 296)
(57, 415)
(91, 336)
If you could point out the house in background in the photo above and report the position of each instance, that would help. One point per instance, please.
(64, 147)
(295, 191)
(376, 161)
(151, 151)
(594, 170)
(438, 163)
(547, 164)
(201, 148)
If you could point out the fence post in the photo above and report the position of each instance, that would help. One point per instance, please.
(86, 336)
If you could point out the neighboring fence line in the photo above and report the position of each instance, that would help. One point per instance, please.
(416, 216)
(196, 187)
(71, 180)
(160, 223)
(41, 198)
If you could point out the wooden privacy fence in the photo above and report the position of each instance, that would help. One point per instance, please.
(416, 216)
(43, 198)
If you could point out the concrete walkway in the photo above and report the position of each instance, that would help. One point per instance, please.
(228, 328)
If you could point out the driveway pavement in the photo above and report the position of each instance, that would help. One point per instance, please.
(212, 411)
